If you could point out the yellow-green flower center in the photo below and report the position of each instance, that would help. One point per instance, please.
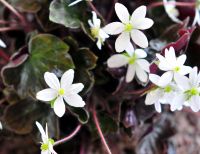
(45, 146)
(168, 89)
(61, 91)
(95, 32)
(191, 92)
(128, 27)
(132, 59)
(177, 69)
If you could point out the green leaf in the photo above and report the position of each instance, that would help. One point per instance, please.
(81, 113)
(62, 14)
(21, 116)
(46, 53)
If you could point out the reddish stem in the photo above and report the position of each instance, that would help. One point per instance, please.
(12, 9)
(69, 137)
(96, 121)
(184, 4)
(4, 29)
(4, 56)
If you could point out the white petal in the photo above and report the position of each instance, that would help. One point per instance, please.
(140, 53)
(194, 103)
(52, 80)
(139, 38)
(103, 34)
(67, 79)
(59, 107)
(74, 100)
(158, 106)
(140, 12)
(117, 60)
(76, 88)
(47, 94)
(144, 64)
(74, 3)
(181, 59)
(45, 152)
(182, 81)
(122, 12)
(165, 79)
(152, 97)
(170, 55)
(185, 70)
(196, 18)
(141, 74)
(51, 149)
(122, 42)
(99, 45)
(154, 78)
(96, 21)
(160, 57)
(130, 73)
(130, 49)
(2, 44)
(177, 102)
(193, 76)
(142, 23)
(114, 28)
(43, 134)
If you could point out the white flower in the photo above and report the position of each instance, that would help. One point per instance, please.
(61, 90)
(171, 10)
(190, 89)
(47, 143)
(77, 1)
(172, 65)
(162, 94)
(135, 61)
(197, 14)
(2, 44)
(129, 27)
(96, 30)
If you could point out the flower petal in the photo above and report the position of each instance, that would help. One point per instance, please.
(139, 13)
(114, 28)
(194, 103)
(141, 74)
(2, 44)
(122, 12)
(152, 97)
(140, 53)
(74, 100)
(139, 38)
(142, 23)
(154, 78)
(130, 49)
(181, 59)
(122, 42)
(193, 76)
(182, 81)
(43, 134)
(158, 106)
(47, 94)
(59, 107)
(52, 80)
(185, 70)
(74, 3)
(170, 55)
(117, 60)
(144, 64)
(96, 21)
(76, 88)
(67, 79)
(130, 73)
(165, 79)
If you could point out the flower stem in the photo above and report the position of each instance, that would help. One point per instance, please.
(4, 29)
(69, 136)
(96, 121)
(183, 4)
(95, 10)
(12, 9)
(4, 56)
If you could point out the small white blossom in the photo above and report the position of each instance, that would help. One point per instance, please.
(2, 44)
(135, 61)
(61, 90)
(190, 95)
(129, 27)
(96, 30)
(47, 143)
(171, 10)
(77, 1)
(172, 65)
(161, 94)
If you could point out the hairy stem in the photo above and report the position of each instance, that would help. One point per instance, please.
(70, 136)
(96, 121)
(12, 9)
(183, 4)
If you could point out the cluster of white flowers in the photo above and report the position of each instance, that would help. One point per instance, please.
(174, 87)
